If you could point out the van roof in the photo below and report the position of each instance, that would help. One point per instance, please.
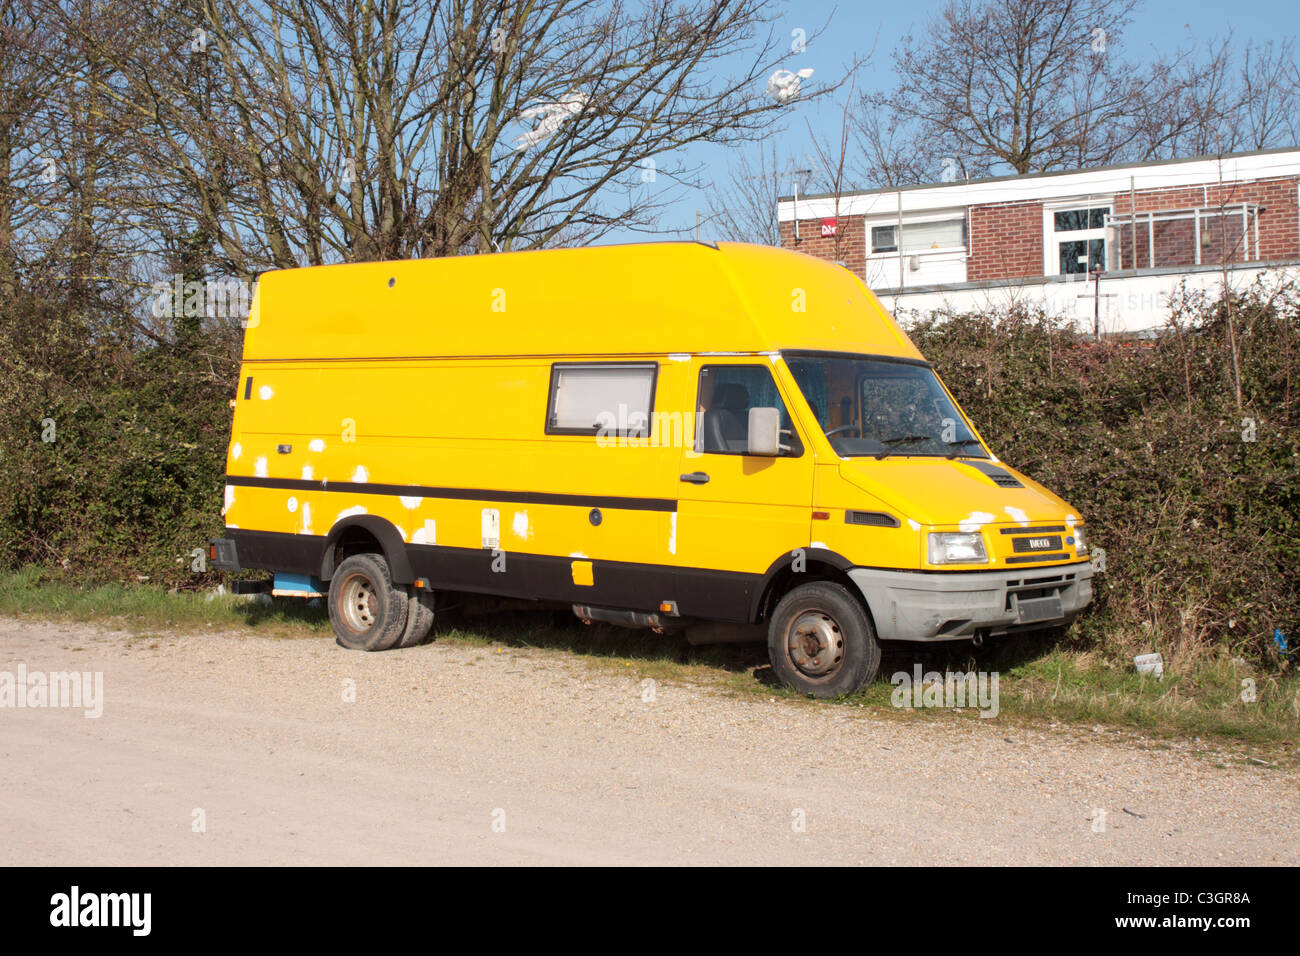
(644, 299)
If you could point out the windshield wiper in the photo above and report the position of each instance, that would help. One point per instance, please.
(896, 441)
(959, 444)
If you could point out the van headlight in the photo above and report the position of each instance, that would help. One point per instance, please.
(1080, 543)
(957, 547)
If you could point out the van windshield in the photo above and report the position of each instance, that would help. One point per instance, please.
(878, 407)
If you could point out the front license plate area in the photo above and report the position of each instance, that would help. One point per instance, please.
(1040, 609)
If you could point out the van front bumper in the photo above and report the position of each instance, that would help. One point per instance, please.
(957, 605)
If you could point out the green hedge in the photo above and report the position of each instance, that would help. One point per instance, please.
(1144, 438)
(1147, 440)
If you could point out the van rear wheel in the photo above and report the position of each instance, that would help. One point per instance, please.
(419, 617)
(367, 612)
(821, 642)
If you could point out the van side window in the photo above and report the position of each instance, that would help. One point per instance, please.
(606, 398)
(727, 393)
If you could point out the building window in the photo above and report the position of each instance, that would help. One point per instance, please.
(884, 239)
(586, 399)
(1079, 236)
(920, 236)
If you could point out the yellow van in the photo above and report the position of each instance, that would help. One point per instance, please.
(732, 439)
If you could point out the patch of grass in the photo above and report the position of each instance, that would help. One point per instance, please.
(33, 592)
(1040, 677)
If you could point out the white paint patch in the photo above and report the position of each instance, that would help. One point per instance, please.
(411, 503)
(577, 554)
(306, 518)
(259, 467)
(975, 521)
(349, 512)
(426, 535)
(316, 445)
(235, 451)
(679, 357)
(817, 544)
(230, 498)
(306, 473)
(1071, 520)
(914, 525)
(265, 393)
(520, 525)
(994, 458)
(401, 531)
(491, 528)
(361, 476)
(672, 533)
(292, 505)
(1017, 515)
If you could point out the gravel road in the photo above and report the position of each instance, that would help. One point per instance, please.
(227, 749)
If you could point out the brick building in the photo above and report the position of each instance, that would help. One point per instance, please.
(1150, 227)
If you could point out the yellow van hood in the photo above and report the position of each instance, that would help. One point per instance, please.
(937, 491)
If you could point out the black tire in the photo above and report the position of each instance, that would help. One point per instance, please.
(419, 617)
(821, 642)
(368, 613)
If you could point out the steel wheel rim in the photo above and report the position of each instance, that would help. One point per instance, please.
(815, 644)
(358, 603)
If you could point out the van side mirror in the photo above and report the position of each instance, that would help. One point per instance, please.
(764, 432)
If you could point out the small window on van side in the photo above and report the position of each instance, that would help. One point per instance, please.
(727, 393)
(601, 398)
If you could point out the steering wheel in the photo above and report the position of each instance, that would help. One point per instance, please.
(845, 428)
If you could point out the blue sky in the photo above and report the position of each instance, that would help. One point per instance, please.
(1158, 25)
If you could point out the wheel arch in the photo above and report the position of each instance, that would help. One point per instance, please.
(367, 533)
(820, 564)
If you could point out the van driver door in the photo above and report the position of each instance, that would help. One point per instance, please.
(737, 513)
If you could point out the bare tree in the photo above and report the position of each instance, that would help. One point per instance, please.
(742, 208)
(291, 132)
(1016, 86)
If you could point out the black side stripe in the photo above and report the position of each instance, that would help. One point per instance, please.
(458, 494)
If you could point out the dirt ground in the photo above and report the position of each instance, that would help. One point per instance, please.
(225, 749)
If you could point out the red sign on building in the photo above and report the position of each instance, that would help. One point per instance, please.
(829, 227)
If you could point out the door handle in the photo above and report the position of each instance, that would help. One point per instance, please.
(696, 478)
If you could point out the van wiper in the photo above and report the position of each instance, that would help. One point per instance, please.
(898, 440)
(959, 444)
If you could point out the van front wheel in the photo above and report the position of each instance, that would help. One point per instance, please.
(821, 641)
(368, 613)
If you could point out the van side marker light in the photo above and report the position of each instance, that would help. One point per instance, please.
(582, 573)
(821, 516)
